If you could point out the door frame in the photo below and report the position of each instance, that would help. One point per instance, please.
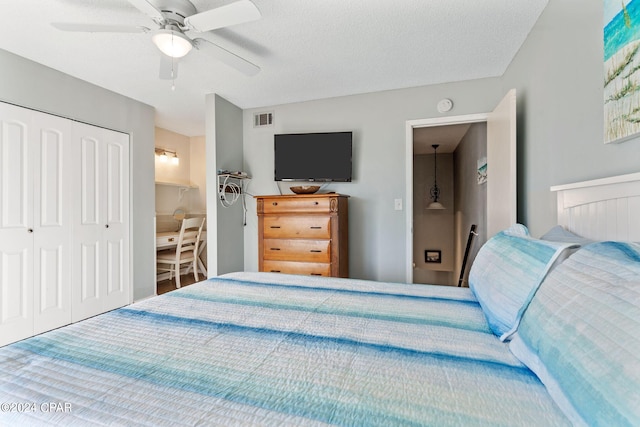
(409, 126)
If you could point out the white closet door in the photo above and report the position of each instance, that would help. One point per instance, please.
(16, 224)
(54, 172)
(101, 222)
(116, 235)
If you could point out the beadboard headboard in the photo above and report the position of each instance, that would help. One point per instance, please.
(601, 209)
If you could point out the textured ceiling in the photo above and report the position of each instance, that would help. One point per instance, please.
(307, 49)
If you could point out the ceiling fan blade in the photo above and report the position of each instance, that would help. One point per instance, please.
(224, 16)
(223, 55)
(168, 68)
(148, 9)
(98, 28)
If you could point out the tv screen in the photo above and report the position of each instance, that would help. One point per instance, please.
(313, 156)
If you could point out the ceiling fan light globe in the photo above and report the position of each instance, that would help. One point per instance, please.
(172, 43)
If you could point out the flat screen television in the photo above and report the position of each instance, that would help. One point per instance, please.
(324, 157)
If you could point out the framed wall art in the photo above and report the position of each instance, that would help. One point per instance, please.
(621, 70)
(433, 255)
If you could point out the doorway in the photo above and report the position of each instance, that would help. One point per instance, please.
(500, 187)
(440, 231)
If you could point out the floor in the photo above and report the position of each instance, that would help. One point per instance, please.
(170, 285)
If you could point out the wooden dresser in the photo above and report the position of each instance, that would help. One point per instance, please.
(304, 234)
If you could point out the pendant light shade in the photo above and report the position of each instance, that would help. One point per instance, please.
(434, 192)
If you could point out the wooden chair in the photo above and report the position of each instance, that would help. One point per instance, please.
(186, 251)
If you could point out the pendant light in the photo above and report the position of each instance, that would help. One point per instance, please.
(434, 193)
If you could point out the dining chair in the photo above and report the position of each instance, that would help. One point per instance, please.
(185, 252)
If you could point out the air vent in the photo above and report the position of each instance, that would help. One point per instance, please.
(262, 119)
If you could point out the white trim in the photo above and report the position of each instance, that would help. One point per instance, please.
(595, 182)
(409, 126)
(601, 209)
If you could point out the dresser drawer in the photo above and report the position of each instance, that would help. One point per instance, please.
(297, 250)
(292, 267)
(297, 204)
(308, 227)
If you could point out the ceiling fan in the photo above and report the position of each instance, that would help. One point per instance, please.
(174, 18)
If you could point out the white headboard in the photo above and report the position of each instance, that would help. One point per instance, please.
(602, 209)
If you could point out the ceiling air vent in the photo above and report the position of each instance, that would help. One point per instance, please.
(262, 119)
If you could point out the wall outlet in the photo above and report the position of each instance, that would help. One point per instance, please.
(398, 204)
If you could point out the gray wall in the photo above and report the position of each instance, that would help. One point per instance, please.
(433, 229)
(224, 151)
(229, 157)
(558, 74)
(377, 238)
(32, 85)
(470, 197)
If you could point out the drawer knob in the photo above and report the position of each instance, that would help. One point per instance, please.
(275, 203)
(275, 249)
(316, 250)
(316, 228)
(315, 203)
(274, 226)
(275, 271)
(171, 239)
(316, 274)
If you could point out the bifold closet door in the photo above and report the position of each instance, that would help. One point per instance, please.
(54, 172)
(16, 218)
(100, 273)
(35, 222)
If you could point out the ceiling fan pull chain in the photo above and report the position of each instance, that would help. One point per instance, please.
(173, 74)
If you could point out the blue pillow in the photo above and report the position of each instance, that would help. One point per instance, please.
(581, 335)
(506, 273)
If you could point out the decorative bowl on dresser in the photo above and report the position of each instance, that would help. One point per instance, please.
(304, 234)
(304, 189)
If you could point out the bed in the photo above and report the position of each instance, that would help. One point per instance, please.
(541, 337)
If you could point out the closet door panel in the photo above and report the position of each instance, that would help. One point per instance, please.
(53, 173)
(90, 272)
(16, 224)
(90, 183)
(15, 168)
(16, 288)
(117, 212)
(102, 224)
(88, 284)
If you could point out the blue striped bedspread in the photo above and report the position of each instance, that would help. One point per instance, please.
(270, 349)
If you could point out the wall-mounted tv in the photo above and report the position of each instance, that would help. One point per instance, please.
(322, 157)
